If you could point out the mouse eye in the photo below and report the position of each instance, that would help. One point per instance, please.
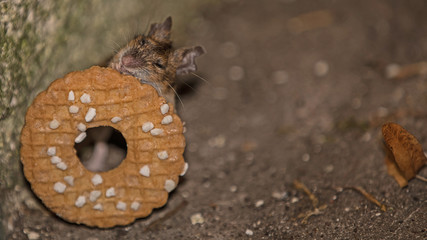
(142, 41)
(159, 65)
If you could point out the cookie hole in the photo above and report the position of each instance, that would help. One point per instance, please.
(103, 149)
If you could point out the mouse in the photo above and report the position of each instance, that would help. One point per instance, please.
(151, 59)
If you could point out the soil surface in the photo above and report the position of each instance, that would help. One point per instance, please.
(295, 92)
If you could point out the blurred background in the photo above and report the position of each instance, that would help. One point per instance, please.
(289, 90)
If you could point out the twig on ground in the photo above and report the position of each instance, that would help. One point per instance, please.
(364, 193)
(314, 201)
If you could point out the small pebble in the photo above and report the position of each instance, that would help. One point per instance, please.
(85, 98)
(169, 185)
(184, 170)
(51, 151)
(94, 195)
(259, 203)
(233, 188)
(121, 206)
(249, 232)
(164, 108)
(306, 157)
(80, 137)
(156, 131)
(279, 195)
(392, 70)
(280, 77)
(197, 219)
(236, 73)
(54, 124)
(162, 155)
(62, 166)
(110, 192)
(73, 109)
(294, 200)
(81, 200)
(218, 141)
(90, 115)
(71, 96)
(81, 127)
(135, 206)
(33, 236)
(69, 180)
(96, 179)
(116, 119)
(167, 120)
(145, 171)
(59, 187)
(146, 127)
(321, 68)
(329, 168)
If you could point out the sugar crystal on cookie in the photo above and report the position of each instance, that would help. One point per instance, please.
(96, 179)
(169, 185)
(164, 108)
(71, 96)
(59, 187)
(51, 151)
(81, 127)
(98, 207)
(110, 192)
(69, 180)
(135, 205)
(55, 160)
(62, 166)
(73, 109)
(81, 200)
(94, 195)
(85, 98)
(162, 155)
(146, 127)
(54, 124)
(145, 171)
(156, 131)
(90, 115)
(80, 137)
(121, 206)
(184, 170)
(116, 119)
(167, 120)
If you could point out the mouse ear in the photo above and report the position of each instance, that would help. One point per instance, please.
(185, 59)
(161, 31)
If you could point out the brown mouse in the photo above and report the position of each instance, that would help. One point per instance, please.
(153, 61)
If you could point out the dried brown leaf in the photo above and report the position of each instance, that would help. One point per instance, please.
(404, 154)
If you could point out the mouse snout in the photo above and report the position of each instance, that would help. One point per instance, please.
(130, 61)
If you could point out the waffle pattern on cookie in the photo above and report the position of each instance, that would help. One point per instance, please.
(59, 117)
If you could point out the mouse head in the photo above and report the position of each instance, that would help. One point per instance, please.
(153, 61)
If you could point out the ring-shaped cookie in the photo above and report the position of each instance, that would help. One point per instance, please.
(57, 119)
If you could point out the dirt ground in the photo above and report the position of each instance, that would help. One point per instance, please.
(296, 90)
